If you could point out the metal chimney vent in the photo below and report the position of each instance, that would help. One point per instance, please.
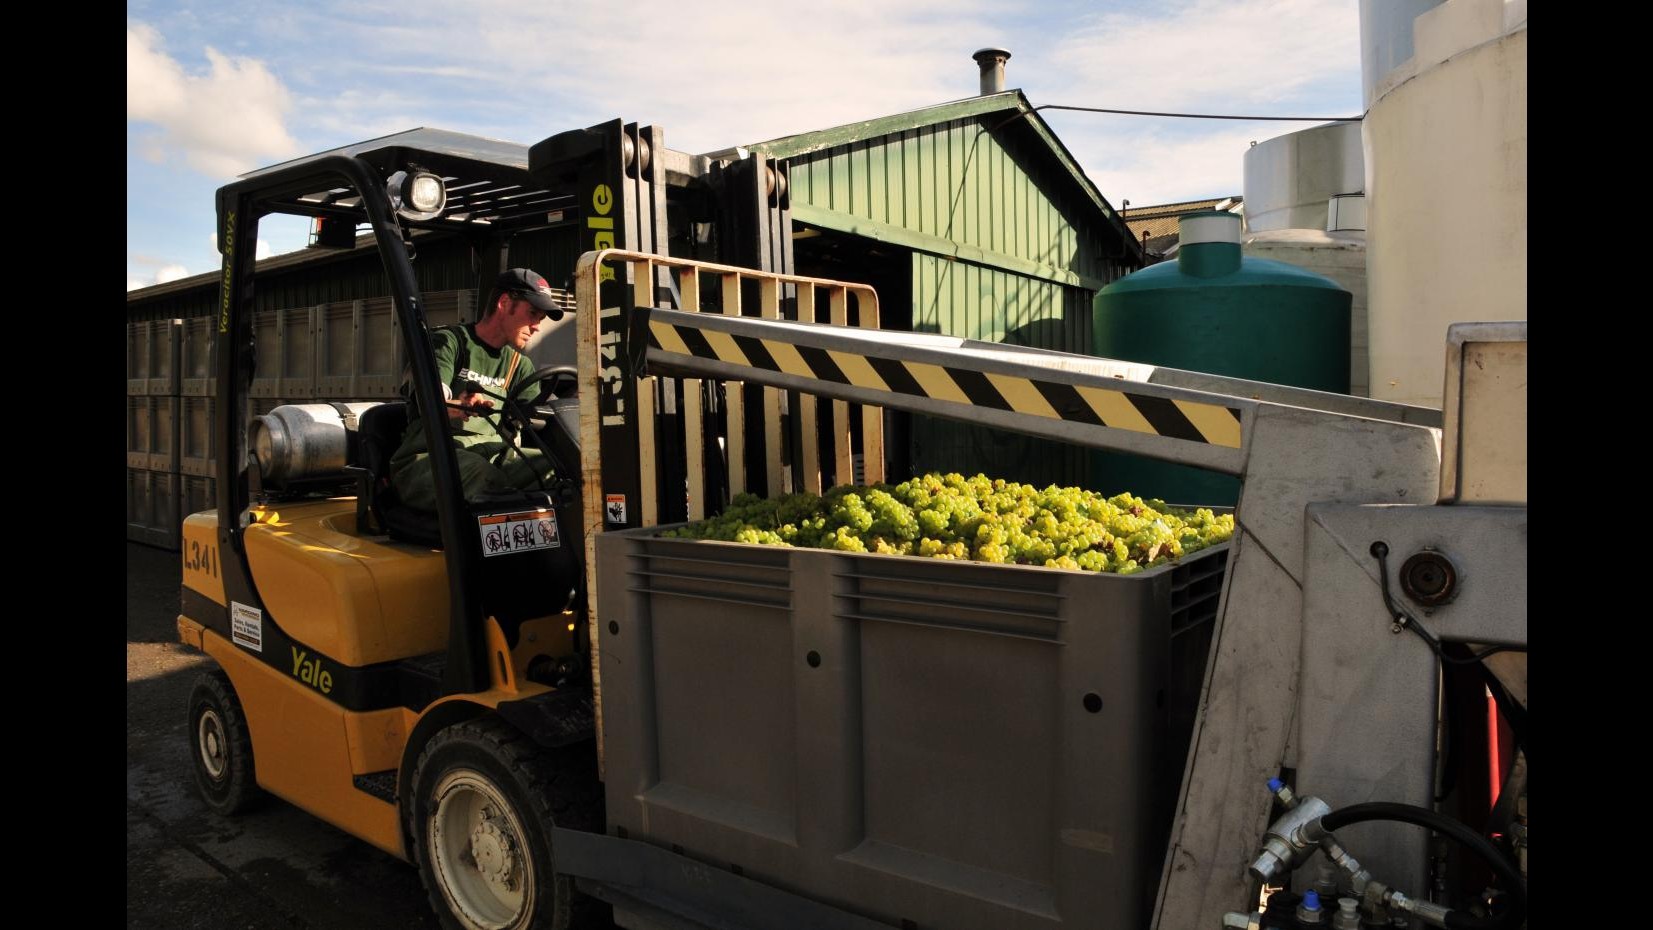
(992, 62)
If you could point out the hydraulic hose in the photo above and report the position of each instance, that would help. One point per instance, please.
(1508, 877)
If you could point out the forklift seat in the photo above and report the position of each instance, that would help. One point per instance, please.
(379, 433)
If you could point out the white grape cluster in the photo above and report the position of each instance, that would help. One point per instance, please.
(977, 518)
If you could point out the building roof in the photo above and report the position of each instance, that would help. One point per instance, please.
(1159, 221)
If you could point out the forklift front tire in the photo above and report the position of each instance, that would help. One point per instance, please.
(484, 797)
(221, 746)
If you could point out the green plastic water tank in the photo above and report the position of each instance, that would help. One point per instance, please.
(1213, 310)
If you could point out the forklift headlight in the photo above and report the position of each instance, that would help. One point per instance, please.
(417, 195)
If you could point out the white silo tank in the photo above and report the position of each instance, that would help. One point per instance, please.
(1303, 207)
(1445, 139)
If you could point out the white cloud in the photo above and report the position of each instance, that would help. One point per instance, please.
(446, 71)
(154, 82)
(1212, 53)
(714, 78)
(170, 273)
(802, 67)
(133, 284)
(1250, 57)
(223, 122)
(351, 115)
(260, 251)
(1148, 165)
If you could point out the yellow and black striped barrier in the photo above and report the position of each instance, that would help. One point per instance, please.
(1022, 393)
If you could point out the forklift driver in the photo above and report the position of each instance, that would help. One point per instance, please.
(486, 355)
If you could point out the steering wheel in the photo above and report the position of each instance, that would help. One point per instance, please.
(563, 381)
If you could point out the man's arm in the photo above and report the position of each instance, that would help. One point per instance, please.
(445, 351)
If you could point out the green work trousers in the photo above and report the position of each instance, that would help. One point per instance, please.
(486, 466)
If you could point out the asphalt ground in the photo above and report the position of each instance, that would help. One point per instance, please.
(272, 868)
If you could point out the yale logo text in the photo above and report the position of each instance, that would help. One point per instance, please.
(310, 672)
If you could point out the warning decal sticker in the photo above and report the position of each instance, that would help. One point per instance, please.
(505, 533)
(247, 626)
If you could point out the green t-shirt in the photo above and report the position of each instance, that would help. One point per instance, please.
(461, 358)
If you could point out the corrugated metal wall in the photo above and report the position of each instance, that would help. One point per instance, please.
(961, 299)
(954, 181)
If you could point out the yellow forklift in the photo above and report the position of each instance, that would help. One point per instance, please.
(420, 680)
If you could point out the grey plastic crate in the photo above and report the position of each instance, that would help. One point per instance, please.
(338, 349)
(166, 523)
(955, 744)
(152, 432)
(457, 306)
(198, 357)
(441, 309)
(198, 494)
(137, 359)
(165, 343)
(380, 372)
(152, 357)
(262, 405)
(285, 347)
(139, 504)
(140, 423)
(197, 426)
(152, 500)
(267, 331)
(355, 355)
(163, 433)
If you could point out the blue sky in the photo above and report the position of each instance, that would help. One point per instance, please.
(216, 89)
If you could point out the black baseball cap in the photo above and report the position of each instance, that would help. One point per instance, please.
(530, 286)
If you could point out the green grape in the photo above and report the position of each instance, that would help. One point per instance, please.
(1092, 561)
(988, 520)
(750, 534)
(931, 522)
(991, 552)
(891, 517)
(844, 540)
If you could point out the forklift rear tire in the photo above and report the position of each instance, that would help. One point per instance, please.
(221, 746)
(484, 799)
